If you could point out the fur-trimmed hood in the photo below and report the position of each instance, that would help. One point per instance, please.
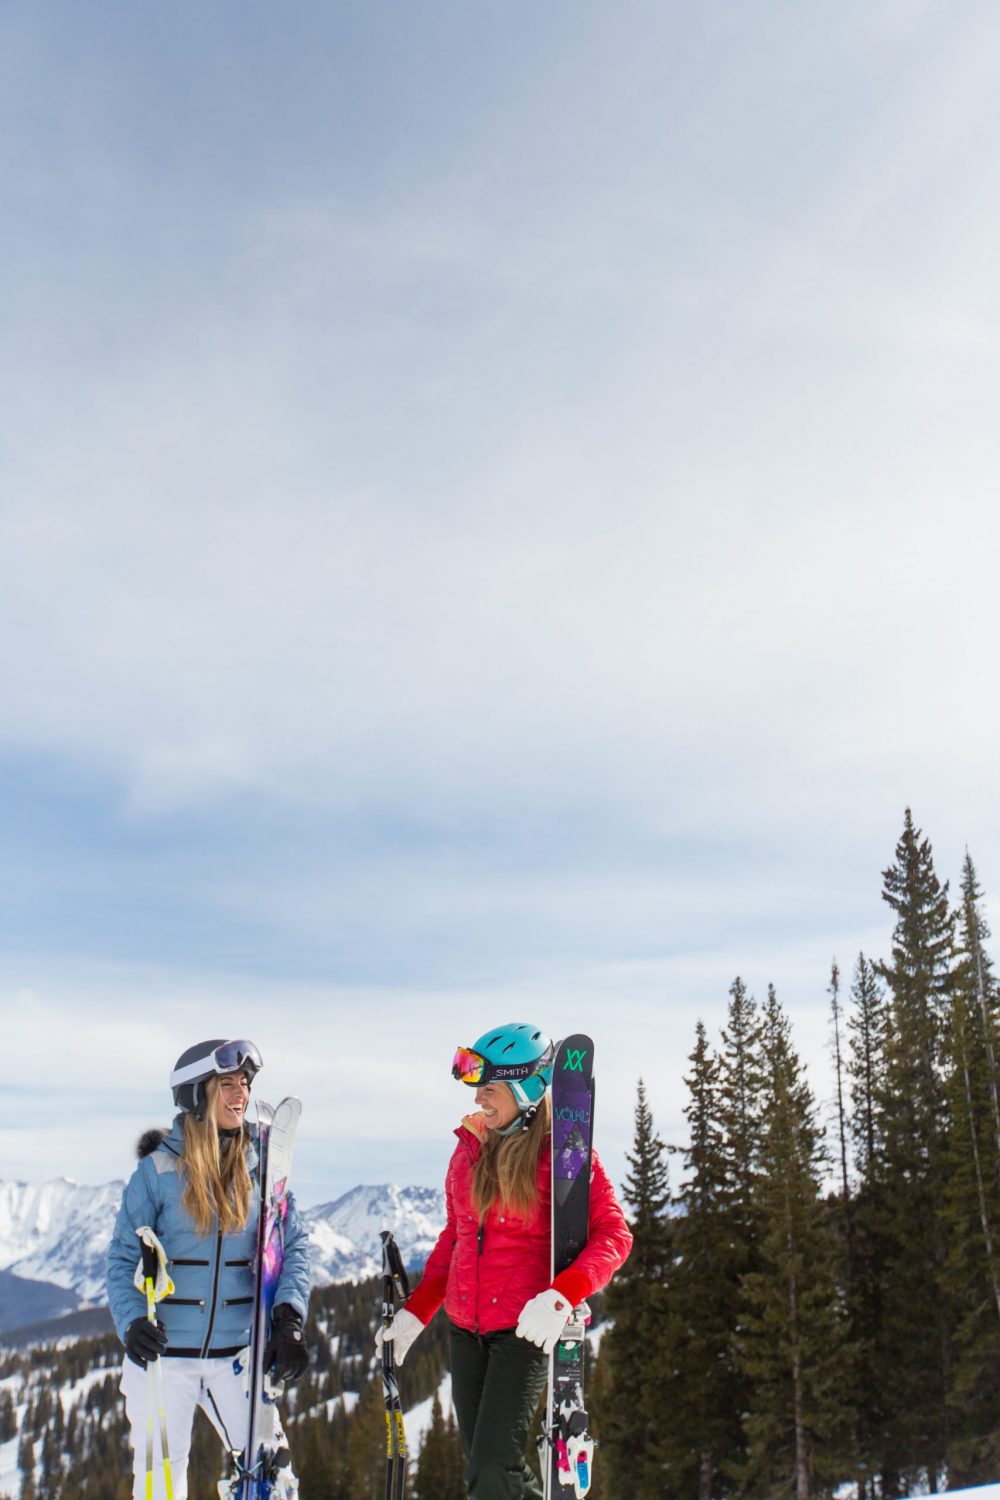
(150, 1139)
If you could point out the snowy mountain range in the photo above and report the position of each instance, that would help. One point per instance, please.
(57, 1233)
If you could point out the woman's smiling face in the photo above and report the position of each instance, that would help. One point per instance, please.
(231, 1100)
(497, 1102)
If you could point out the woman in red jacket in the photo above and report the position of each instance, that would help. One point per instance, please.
(491, 1264)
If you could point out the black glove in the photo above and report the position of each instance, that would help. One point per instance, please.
(144, 1341)
(286, 1349)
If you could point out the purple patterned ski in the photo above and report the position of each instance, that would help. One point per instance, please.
(566, 1446)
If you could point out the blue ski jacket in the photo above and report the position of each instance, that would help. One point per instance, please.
(210, 1312)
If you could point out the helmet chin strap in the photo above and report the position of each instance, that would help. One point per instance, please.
(523, 1120)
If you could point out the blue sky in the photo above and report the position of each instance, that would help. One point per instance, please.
(497, 518)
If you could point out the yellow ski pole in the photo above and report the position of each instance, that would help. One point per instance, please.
(154, 1376)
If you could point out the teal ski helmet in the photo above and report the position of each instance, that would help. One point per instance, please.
(516, 1054)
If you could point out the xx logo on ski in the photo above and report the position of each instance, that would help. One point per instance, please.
(574, 1060)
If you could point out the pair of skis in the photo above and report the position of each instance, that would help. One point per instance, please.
(263, 1468)
(566, 1448)
(395, 1290)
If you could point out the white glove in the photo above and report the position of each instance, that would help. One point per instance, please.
(543, 1319)
(401, 1333)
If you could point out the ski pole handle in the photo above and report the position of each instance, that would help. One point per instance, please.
(393, 1262)
(149, 1269)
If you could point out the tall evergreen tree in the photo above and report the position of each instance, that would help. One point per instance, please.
(702, 1435)
(975, 974)
(742, 1096)
(440, 1466)
(971, 1208)
(866, 1029)
(793, 1340)
(741, 1103)
(8, 1417)
(914, 1120)
(839, 1068)
(628, 1410)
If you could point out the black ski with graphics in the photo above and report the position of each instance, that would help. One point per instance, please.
(567, 1448)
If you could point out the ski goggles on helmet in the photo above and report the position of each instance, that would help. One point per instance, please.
(228, 1057)
(468, 1066)
(473, 1068)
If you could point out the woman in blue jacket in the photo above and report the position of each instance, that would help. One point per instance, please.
(197, 1188)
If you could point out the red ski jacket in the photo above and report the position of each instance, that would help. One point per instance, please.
(485, 1273)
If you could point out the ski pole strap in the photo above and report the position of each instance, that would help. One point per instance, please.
(152, 1266)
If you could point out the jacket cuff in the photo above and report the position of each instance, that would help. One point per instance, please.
(424, 1307)
(573, 1285)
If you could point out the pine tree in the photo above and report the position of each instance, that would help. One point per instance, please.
(793, 1343)
(839, 1068)
(742, 1094)
(628, 1410)
(741, 1103)
(971, 1209)
(867, 1030)
(975, 975)
(440, 1466)
(26, 1464)
(867, 1027)
(701, 1437)
(365, 1443)
(8, 1417)
(914, 1119)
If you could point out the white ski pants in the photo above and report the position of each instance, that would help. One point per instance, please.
(212, 1384)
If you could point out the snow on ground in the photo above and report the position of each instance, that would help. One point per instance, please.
(10, 1477)
(69, 1395)
(348, 1400)
(848, 1490)
(594, 1336)
(417, 1420)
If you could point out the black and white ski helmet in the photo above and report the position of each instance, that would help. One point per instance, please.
(211, 1059)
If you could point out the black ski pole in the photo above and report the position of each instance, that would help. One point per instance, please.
(395, 1290)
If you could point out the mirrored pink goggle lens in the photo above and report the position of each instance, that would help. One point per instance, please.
(467, 1066)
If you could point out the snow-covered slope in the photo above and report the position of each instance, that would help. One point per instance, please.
(58, 1231)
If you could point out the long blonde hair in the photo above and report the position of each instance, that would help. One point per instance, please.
(218, 1186)
(507, 1167)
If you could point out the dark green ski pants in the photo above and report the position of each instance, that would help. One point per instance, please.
(496, 1380)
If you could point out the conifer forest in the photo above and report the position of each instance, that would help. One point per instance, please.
(819, 1304)
(813, 1299)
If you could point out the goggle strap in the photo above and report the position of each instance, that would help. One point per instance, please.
(192, 1070)
(208, 1065)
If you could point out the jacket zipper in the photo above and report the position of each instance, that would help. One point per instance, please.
(215, 1293)
(479, 1251)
